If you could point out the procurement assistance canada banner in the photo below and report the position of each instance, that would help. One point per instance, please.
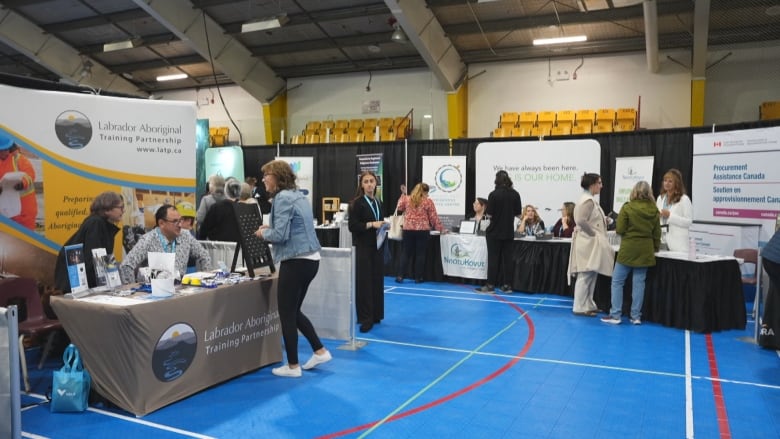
(81, 145)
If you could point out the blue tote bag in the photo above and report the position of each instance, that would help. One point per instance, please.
(70, 386)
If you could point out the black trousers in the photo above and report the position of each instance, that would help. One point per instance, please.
(295, 275)
(499, 257)
(415, 244)
(369, 283)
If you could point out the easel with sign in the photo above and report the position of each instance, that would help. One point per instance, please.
(255, 251)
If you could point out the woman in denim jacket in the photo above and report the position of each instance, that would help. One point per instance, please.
(297, 251)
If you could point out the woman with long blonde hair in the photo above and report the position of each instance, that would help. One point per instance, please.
(676, 212)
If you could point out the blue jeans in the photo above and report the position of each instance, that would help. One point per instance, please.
(619, 275)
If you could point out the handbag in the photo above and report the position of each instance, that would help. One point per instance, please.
(70, 384)
(396, 231)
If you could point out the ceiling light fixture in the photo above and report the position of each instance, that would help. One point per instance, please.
(265, 24)
(399, 36)
(171, 77)
(118, 45)
(560, 40)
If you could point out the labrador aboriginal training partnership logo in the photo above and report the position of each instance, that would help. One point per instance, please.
(174, 352)
(448, 178)
(73, 129)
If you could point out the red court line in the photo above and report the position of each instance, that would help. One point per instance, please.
(717, 391)
(529, 341)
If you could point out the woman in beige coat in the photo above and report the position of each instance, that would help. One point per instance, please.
(591, 254)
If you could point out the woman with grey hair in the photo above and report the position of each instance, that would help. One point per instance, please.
(220, 223)
(216, 189)
(640, 232)
(97, 231)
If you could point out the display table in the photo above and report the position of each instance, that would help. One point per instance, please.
(540, 266)
(703, 295)
(328, 236)
(145, 354)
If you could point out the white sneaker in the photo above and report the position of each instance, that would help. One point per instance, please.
(286, 371)
(636, 321)
(611, 320)
(317, 359)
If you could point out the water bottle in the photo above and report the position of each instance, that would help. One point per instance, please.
(691, 249)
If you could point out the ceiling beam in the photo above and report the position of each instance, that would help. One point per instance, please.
(322, 16)
(426, 34)
(408, 62)
(96, 20)
(208, 38)
(57, 56)
(158, 63)
(309, 45)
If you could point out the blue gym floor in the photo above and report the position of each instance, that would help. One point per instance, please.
(450, 362)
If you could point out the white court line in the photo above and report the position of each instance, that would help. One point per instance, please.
(535, 301)
(137, 421)
(575, 363)
(34, 436)
(472, 293)
(688, 388)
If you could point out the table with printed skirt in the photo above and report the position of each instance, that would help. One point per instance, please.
(703, 295)
(145, 353)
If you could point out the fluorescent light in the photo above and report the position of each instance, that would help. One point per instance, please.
(560, 40)
(119, 45)
(171, 77)
(265, 24)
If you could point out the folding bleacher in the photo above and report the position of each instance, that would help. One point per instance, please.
(502, 132)
(561, 130)
(545, 121)
(521, 131)
(508, 119)
(564, 118)
(625, 117)
(585, 117)
(604, 117)
(541, 131)
(602, 128)
(585, 128)
(527, 120)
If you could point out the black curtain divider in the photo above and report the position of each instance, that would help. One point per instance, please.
(334, 163)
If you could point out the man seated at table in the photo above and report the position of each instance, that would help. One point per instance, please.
(165, 238)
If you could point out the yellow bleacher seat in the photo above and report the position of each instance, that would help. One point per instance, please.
(402, 128)
(313, 125)
(769, 110)
(387, 136)
(341, 137)
(527, 116)
(386, 121)
(509, 119)
(624, 126)
(369, 124)
(540, 131)
(585, 117)
(502, 132)
(582, 129)
(564, 118)
(561, 130)
(356, 123)
(604, 127)
(356, 136)
(605, 116)
(343, 124)
(312, 138)
(308, 132)
(545, 120)
(297, 139)
(325, 124)
(625, 115)
(521, 131)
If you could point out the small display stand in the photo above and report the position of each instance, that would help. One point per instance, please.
(255, 251)
(330, 205)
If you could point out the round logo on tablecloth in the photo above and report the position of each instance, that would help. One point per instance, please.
(174, 352)
(73, 129)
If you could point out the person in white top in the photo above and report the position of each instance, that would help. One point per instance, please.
(676, 212)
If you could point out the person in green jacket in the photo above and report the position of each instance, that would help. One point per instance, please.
(640, 230)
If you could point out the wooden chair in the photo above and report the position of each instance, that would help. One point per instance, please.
(33, 323)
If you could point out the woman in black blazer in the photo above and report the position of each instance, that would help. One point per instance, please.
(365, 219)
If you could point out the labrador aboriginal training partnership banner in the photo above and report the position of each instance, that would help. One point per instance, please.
(464, 256)
(80, 145)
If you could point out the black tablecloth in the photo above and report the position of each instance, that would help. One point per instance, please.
(700, 296)
(540, 267)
